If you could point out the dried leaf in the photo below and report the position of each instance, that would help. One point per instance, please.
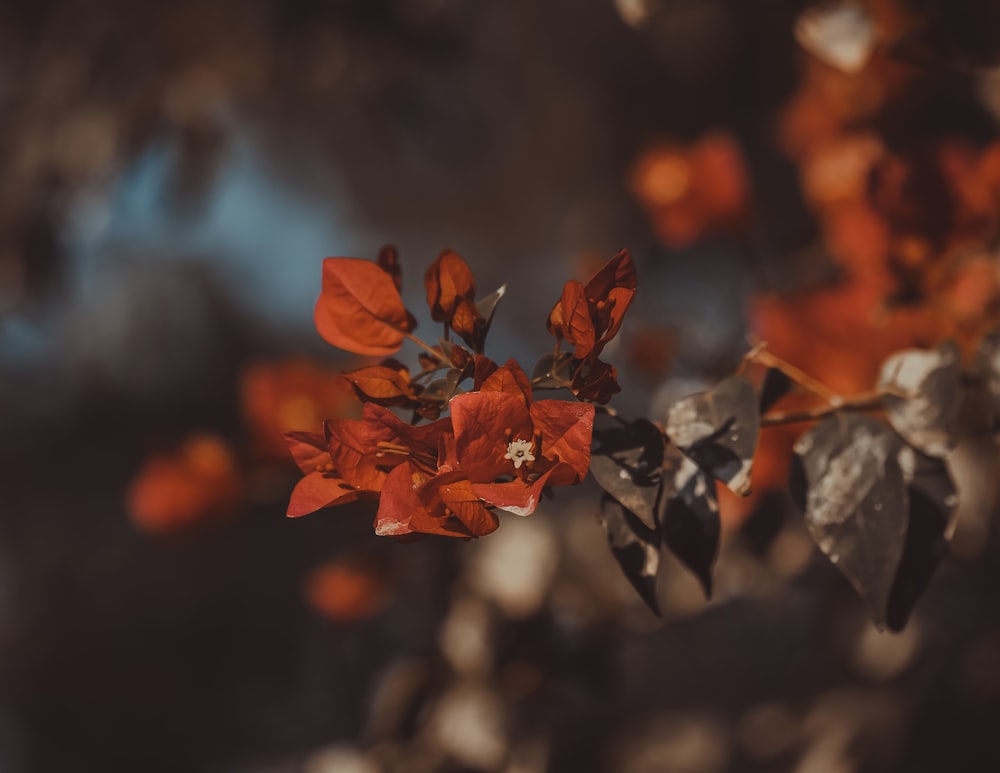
(848, 483)
(635, 547)
(626, 461)
(986, 365)
(689, 517)
(932, 504)
(359, 308)
(718, 429)
(926, 395)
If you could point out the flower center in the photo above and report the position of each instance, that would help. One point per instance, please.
(519, 452)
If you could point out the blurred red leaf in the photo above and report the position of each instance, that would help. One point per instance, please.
(360, 309)
(174, 492)
(349, 589)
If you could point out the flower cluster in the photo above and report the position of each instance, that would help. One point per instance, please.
(497, 447)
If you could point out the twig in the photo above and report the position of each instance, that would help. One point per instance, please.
(435, 354)
(761, 355)
(869, 401)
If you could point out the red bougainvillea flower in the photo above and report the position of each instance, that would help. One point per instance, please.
(510, 448)
(354, 456)
(415, 501)
(365, 450)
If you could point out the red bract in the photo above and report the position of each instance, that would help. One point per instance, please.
(414, 502)
(382, 384)
(570, 320)
(588, 317)
(322, 486)
(360, 309)
(449, 281)
(364, 450)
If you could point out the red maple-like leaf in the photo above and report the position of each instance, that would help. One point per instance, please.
(360, 309)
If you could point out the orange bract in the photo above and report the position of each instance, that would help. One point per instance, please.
(448, 281)
(360, 309)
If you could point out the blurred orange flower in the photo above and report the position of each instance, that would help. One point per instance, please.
(290, 395)
(350, 589)
(174, 492)
(689, 191)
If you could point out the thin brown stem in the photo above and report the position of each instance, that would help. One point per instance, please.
(869, 401)
(430, 350)
(762, 356)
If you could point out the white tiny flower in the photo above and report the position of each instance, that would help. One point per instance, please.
(519, 451)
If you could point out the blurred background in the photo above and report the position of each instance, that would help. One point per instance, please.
(825, 177)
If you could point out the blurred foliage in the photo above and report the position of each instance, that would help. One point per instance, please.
(842, 214)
